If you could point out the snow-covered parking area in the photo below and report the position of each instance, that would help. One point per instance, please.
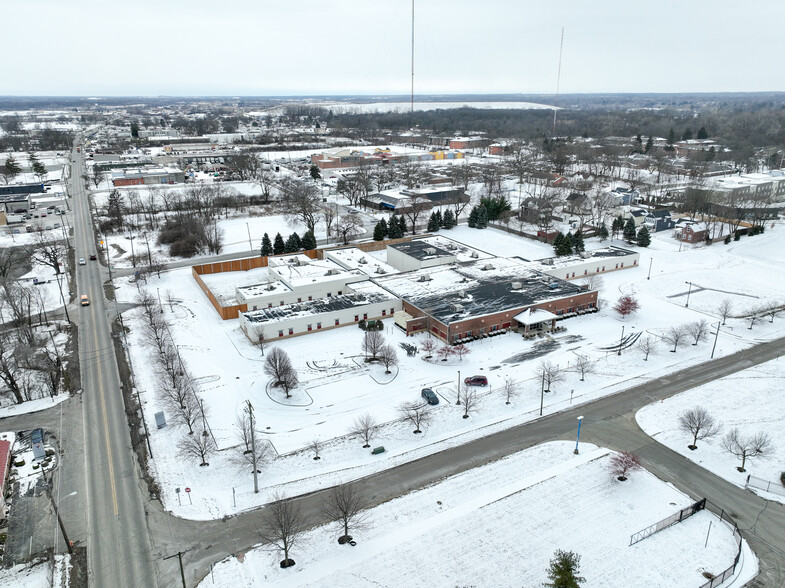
(499, 525)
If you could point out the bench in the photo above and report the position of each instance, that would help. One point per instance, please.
(377, 450)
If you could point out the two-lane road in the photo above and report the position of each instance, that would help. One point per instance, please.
(118, 553)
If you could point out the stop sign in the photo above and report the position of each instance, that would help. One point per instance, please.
(187, 489)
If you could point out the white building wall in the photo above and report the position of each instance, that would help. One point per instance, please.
(299, 324)
(592, 266)
(400, 261)
(301, 293)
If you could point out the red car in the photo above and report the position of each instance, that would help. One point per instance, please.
(476, 381)
(93, 257)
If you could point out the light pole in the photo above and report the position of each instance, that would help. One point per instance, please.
(621, 341)
(458, 401)
(57, 514)
(133, 255)
(716, 335)
(650, 262)
(249, 410)
(542, 391)
(577, 440)
(687, 304)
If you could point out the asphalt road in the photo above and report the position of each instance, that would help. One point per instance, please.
(119, 552)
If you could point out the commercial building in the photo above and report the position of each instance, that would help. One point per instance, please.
(138, 176)
(588, 263)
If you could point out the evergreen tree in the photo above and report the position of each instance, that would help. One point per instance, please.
(727, 238)
(565, 246)
(10, 169)
(649, 144)
(473, 218)
(316, 173)
(439, 219)
(687, 134)
(433, 223)
(267, 246)
(394, 231)
(378, 232)
(279, 246)
(557, 241)
(135, 130)
(495, 206)
(383, 223)
(702, 134)
(448, 221)
(309, 241)
(402, 226)
(629, 230)
(482, 217)
(639, 141)
(115, 209)
(603, 232)
(292, 244)
(671, 139)
(577, 242)
(39, 169)
(644, 238)
(564, 569)
(711, 153)
(616, 226)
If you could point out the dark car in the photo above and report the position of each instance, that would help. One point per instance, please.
(93, 257)
(430, 396)
(476, 381)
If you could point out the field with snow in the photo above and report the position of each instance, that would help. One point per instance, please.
(375, 107)
(505, 515)
(337, 386)
(750, 400)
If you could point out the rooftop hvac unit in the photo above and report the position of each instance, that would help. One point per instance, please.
(362, 260)
(475, 255)
(488, 266)
(380, 270)
(517, 285)
(425, 278)
(548, 261)
(462, 293)
(430, 251)
(553, 285)
(457, 308)
(585, 255)
(451, 246)
(270, 287)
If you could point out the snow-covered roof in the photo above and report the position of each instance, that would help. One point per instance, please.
(533, 316)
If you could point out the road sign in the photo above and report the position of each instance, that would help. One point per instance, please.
(187, 489)
(177, 490)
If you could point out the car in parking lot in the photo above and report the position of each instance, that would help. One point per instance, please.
(82, 261)
(476, 381)
(353, 211)
(430, 396)
(84, 300)
(93, 257)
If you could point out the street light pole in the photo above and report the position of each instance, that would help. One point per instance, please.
(687, 304)
(716, 335)
(621, 341)
(577, 440)
(542, 391)
(650, 262)
(249, 408)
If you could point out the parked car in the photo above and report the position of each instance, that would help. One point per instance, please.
(93, 257)
(476, 381)
(82, 261)
(430, 396)
(83, 300)
(48, 227)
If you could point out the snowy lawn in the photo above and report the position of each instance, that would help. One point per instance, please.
(751, 401)
(337, 386)
(519, 509)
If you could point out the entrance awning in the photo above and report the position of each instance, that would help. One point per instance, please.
(534, 316)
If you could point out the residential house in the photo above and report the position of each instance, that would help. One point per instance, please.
(659, 220)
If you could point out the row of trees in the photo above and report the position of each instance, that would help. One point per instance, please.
(292, 244)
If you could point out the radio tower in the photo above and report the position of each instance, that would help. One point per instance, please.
(412, 106)
(558, 78)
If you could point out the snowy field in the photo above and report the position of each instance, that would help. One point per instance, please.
(337, 386)
(377, 107)
(505, 512)
(750, 400)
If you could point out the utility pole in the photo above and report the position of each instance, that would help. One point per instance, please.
(558, 79)
(249, 408)
(57, 513)
(412, 106)
(179, 556)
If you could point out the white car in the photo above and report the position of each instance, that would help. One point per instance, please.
(82, 261)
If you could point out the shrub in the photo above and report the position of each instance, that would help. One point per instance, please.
(727, 238)
(782, 478)
(19, 463)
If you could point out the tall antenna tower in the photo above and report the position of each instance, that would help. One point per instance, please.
(412, 105)
(558, 79)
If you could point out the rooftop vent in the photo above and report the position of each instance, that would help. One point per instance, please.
(475, 255)
(488, 266)
(451, 246)
(517, 285)
(553, 285)
(270, 287)
(362, 260)
(462, 294)
(548, 261)
(430, 250)
(425, 278)
(457, 308)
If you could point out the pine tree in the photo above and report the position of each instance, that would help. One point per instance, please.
(279, 246)
(616, 226)
(603, 232)
(394, 231)
(687, 134)
(482, 217)
(564, 569)
(115, 208)
(649, 144)
(267, 246)
(565, 246)
(309, 241)
(629, 230)
(702, 134)
(448, 221)
(11, 169)
(402, 226)
(557, 241)
(577, 242)
(293, 243)
(386, 229)
(433, 223)
(671, 139)
(439, 218)
(473, 218)
(644, 238)
(378, 232)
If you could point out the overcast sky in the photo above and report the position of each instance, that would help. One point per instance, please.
(302, 47)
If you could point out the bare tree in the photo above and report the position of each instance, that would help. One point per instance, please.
(593, 282)
(46, 251)
(373, 341)
(510, 390)
(388, 356)
(698, 330)
(301, 201)
(461, 351)
(196, 448)
(468, 400)
(647, 345)
(328, 216)
(416, 207)
(345, 504)
(674, 336)
(279, 367)
(583, 365)
(283, 525)
(622, 464)
(316, 446)
(772, 310)
(12, 259)
(349, 227)
(746, 447)
(10, 366)
(365, 426)
(698, 423)
(416, 414)
(444, 352)
(261, 342)
(725, 309)
(549, 373)
(428, 346)
(289, 381)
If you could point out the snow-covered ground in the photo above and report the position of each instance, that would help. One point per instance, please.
(372, 107)
(38, 574)
(337, 386)
(468, 529)
(750, 401)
